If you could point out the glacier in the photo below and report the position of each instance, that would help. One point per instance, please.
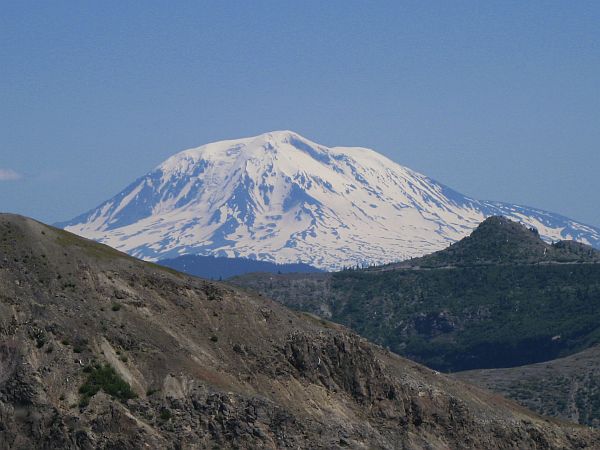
(282, 198)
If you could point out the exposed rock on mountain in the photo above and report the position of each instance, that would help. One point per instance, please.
(99, 350)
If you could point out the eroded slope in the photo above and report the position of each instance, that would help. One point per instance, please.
(211, 366)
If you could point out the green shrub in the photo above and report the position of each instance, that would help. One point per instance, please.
(151, 391)
(104, 377)
(165, 415)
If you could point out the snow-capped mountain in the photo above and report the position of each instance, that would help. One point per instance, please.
(280, 197)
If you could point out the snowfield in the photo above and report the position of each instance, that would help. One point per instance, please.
(282, 198)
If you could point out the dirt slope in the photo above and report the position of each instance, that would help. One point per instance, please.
(212, 367)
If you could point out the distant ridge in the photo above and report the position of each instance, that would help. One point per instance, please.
(500, 297)
(282, 198)
(215, 268)
(498, 240)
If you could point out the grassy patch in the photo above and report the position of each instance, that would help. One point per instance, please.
(105, 378)
(92, 248)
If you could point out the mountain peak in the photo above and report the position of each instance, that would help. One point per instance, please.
(507, 231)
(282, 135)
(499, 240)
(263, 146)
(283, 198)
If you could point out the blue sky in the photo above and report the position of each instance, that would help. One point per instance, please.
(499, 100)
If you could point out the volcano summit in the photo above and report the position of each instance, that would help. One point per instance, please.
(282, 198)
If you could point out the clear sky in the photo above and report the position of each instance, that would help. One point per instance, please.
(499, 100)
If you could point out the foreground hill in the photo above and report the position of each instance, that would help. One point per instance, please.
(216, 268)
(99, 350)
(282, 198)
(568, 387)
(499, 298)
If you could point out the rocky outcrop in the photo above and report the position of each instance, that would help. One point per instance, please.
(210, 366)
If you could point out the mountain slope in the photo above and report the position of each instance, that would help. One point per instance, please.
(499, 298)
(568, 387)
(99, 350)
(215, 268)
(279, 197)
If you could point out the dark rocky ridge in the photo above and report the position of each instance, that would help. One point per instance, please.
(212, 366)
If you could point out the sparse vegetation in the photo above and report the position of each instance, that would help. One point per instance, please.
(39, 336)
(165, 414)
(333, 366)
(94, 249)
(568, 388)
(69, 285)
(105, 378)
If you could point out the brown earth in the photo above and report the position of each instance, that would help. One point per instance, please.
(213, 366)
